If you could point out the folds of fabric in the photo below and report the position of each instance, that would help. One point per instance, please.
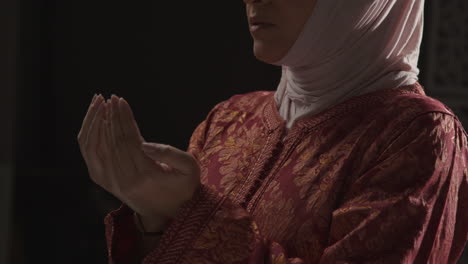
(349, 48)
(392, 189)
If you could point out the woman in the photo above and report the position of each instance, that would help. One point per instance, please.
(348, 161)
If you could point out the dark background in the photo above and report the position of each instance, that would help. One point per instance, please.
(172, 61)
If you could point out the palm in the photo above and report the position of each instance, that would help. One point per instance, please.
(153, 182)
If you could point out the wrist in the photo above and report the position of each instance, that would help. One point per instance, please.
(153, 224)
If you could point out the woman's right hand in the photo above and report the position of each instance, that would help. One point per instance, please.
(153, 182)
(94, 147)
(89, 144)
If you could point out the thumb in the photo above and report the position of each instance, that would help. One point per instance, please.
(174, 157)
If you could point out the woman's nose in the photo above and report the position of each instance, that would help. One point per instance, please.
(256, 1)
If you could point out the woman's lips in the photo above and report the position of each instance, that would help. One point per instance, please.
(259, 26)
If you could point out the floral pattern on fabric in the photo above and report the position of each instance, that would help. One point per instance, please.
(380, 178)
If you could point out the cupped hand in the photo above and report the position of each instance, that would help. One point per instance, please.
(152, 179)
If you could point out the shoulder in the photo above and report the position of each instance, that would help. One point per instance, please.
(398, 119)
(411, 105)
(247, 104)
(421, 121)
(412, 127)
(398, 110)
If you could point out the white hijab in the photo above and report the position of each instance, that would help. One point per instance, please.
(348, 48)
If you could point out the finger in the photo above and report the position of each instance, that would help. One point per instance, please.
(105, 113)
(93, 113)
(93, 159)
(83, 134)
(104, 147)
(109, 145)
(132, 136)
(118, 176)
(99, 154)
(166, 167)
(133, 139)
(120, 142)
(87, 114)
(174, 157)
(93, 136)
(108, 164)
(130, 127)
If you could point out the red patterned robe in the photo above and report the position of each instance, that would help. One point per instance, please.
(379, 178)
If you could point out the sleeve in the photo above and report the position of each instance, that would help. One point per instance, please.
(410, 207)
(122, 235)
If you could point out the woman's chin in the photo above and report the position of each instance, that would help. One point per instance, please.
(266, 53)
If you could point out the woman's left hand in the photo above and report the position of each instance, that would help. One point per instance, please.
(154, 180)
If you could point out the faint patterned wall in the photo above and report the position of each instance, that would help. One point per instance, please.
(446, 63)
